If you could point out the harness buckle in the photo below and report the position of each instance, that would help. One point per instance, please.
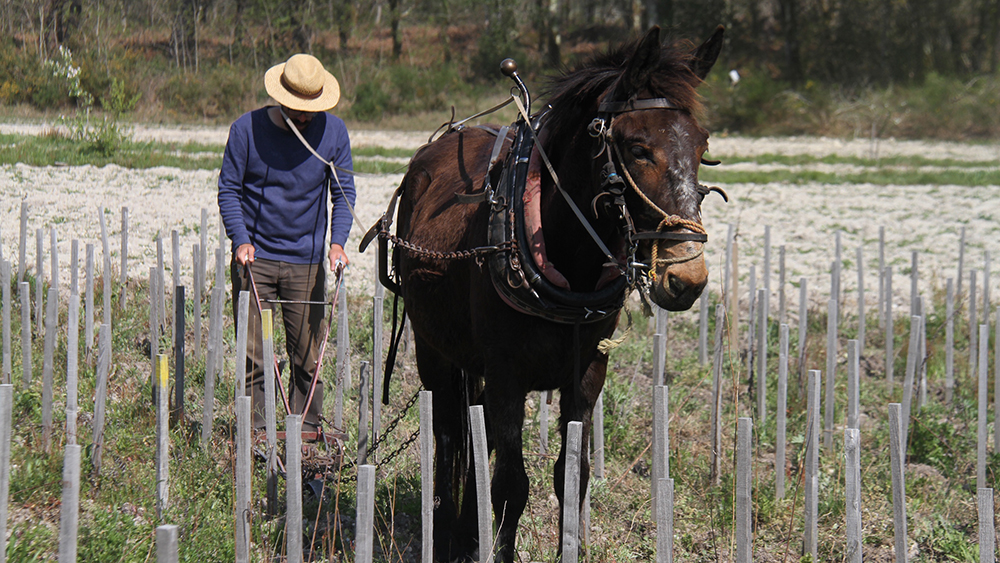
(515, 277)
(597, 128)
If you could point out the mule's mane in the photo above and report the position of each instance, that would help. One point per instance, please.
(577, 90)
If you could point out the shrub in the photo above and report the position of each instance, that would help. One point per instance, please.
(938, 443)
(66, 78)
(750, 106)
(948, 108)
(24, 80)
(219, 92)
(405, 89)
(114, 79)
(497, 42)
(371, 101)
(121, 97)
(425, 89)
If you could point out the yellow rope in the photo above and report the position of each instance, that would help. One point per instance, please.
(606, 345)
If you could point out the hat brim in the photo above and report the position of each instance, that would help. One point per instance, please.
(327, 98)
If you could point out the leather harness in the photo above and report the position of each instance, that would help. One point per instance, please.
(513, 271)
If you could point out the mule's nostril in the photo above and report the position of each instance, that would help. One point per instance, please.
(677, 285)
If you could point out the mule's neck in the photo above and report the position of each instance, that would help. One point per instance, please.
(570, 247)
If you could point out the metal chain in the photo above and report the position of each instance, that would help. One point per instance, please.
(378, 441)
(456, 255)
(402, 447)
(395, 422)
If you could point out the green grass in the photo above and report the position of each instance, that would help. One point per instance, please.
(55, 149)
(878, 177)
(369, 151)
(888, 161)
(59, 150)
(118, 513)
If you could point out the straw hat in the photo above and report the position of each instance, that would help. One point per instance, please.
(302, 84)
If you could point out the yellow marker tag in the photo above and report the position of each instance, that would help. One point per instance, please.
(161, 367)
(266, 324)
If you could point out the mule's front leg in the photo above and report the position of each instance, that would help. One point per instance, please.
(509, 489)
(578, 405)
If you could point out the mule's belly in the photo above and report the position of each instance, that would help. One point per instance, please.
(469, 324)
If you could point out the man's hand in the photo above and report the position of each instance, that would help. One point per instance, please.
(244, 254)
(338, 258)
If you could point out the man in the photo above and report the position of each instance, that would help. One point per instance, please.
(272, 197)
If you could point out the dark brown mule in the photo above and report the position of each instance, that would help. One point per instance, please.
(474, 348)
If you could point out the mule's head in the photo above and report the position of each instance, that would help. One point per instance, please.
(656, 146)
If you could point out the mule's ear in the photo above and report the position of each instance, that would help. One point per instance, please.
(643, 62)
(704, 57)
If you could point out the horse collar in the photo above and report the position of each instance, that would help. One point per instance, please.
(515, 275)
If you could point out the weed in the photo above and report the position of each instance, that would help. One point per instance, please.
(122, 98)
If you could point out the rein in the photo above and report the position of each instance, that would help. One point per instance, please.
(333, 168)
(555, 178)
(322, 348)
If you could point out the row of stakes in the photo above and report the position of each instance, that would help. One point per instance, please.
(661, 485)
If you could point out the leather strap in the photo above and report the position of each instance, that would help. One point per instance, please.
(696, 237)
(555, 180)
(498, 145)
(632, 105)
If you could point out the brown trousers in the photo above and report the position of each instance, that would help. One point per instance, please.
(304, 324)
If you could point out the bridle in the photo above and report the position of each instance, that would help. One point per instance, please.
(614, 185)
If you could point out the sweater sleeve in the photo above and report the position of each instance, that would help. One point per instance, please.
(231, 185)
(341, 187)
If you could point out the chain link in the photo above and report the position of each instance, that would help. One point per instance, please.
(402, 447)
(437, 255)
(378, 441)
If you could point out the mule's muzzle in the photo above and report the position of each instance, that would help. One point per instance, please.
(678, 286)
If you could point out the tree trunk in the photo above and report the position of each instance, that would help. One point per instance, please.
(345, 21)
(444, 21)
(397, 45)
(194, 25)
(651, 14)
(41, 33)
(993, 43)
(788, 12)
(666, 14)
(553, 36)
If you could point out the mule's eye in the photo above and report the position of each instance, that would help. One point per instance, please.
(640, 152)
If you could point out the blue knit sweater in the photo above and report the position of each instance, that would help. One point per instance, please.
(272, 190)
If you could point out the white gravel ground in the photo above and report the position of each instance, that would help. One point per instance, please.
(804, 218)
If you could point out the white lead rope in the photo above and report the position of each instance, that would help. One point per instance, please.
(333, 167)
